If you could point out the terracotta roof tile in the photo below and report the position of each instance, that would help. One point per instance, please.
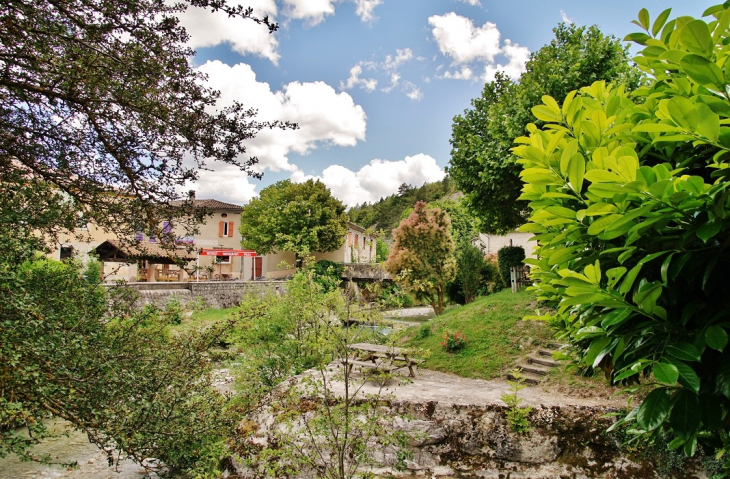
(211, 204)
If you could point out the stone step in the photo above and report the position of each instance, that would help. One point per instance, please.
(556, 345)
(545, 352)
(543, 361)
(532, 369)
(525, 378)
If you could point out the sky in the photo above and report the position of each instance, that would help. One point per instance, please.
(373, 84)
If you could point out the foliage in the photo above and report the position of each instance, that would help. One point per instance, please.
(387, 213)
(328, 274)
(105, 106)
(118, 378)
(497, 335)
(629, 203)
(509, 256)
(93, 271)
(298, 217)
(464, 225)
(470, 277)
(453, 342)
(324, 425)
(517, 417)
(482, 165)
(424, 331)
(422, 255)
(391, 295)
(382, 250)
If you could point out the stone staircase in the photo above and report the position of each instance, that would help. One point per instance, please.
(534, 369)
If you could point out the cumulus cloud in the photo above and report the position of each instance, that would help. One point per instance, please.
(367, 84)
(517, 57)
(565, 17)
(473, 3)
(466, 44)
(377, 179)
(458, 38)
(325, 117)
(365, 9)
(209, 29)
(401, 56)
(311, 11)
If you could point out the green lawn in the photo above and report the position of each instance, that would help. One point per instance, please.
(496, 335)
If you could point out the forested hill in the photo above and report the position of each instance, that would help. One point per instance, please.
(386, 213)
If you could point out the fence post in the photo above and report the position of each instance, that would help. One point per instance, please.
(513, 278)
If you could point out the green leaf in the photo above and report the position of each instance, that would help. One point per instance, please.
(594, 356)
(709, 229)
(716, 337)
(687, 376)
(628, 282)
(686, 414)
(722, 379)
(616, 316)
(655, 128)
(665, 373)
(659, 22)
(614, 275)
(602, 176)
(644, 18)
(576, 172)
(702, 70)
(601, 224)
(684, 351)
(639, 38)
(545, 113)
(696, 37)
(654, 410)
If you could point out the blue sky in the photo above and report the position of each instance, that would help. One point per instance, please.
(374, 84)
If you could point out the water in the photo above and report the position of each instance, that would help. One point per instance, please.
(66, 449)
(414, 316)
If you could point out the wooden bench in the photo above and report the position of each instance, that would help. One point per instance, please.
(378, 356)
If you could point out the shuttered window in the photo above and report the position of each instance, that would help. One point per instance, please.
(225, 228)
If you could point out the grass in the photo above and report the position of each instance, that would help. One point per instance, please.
(203, 318)
(496, 335)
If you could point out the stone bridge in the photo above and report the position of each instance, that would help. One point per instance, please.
(365, 272)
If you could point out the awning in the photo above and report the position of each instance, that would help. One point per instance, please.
(227, 252)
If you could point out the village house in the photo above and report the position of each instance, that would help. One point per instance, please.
(219, 234)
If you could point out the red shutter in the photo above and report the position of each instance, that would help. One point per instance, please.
(230, 229)
(220, 228)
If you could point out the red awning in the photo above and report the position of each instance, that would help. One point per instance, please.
(227, 252)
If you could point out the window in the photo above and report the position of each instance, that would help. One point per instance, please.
(225, 228)
(222, 260)
(357, 241)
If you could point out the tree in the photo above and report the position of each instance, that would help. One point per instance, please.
(470, 268)
(298, 217)
(630, 204)
(482, 164)
(422, 254)
(101, 101)
(102, 119)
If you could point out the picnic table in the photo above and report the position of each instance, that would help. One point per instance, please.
(381, 357)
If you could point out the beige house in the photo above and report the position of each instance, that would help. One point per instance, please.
(491, 244)
(358, 247)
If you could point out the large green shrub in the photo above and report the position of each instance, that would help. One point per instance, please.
(509, 256)
(629, 198)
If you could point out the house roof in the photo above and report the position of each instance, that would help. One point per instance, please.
(211, 204)
(355, 226)
(119, 252)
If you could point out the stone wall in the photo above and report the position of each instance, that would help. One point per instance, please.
(211, 294)
(476, 441)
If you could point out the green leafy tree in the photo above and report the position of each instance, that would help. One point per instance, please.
(298, 217)
(103, 118)
(482, 164)
(630, 199)
(382, 250)
(470, 266)
(422, 255)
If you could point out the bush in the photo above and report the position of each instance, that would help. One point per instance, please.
(93, 271)
(328, 274)
(631, 201)
(469, 280)
(509, 256)
(454, 342)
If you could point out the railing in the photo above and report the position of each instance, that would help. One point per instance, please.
(519, 276)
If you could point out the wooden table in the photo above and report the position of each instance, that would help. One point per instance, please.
(395, 358)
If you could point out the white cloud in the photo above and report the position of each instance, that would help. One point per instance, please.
(458, 38)
(367, 84)
(565, 17)
(209, 29)
(311, 11)
(473, 3)
(412, 91)
(517, 57)
(365, 9)
(378, 179)
(394, 80)
(465, 73)
(401, 57)
(325, 117)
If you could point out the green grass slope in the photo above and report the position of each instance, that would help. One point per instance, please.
(496, 335)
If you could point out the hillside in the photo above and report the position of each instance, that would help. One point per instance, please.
(386, 213)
